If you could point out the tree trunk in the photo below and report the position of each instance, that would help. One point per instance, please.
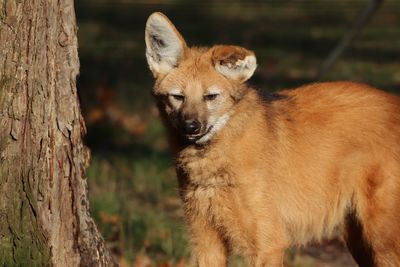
(44, 209)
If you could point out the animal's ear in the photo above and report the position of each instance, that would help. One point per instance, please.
(164, 44)
(234, 62)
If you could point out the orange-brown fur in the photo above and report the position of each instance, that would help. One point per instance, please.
(289, 168)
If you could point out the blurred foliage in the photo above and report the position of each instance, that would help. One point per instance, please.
(132, 183)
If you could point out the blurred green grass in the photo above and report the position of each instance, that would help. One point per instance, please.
(132, 185)
(133, 197)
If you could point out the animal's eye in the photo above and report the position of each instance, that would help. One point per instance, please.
(178, 97)
(210, 97)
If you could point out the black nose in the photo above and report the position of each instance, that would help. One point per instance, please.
(191, 126)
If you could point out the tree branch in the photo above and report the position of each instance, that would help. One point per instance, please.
(361, 21)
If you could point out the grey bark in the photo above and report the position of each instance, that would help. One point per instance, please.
(44, 209)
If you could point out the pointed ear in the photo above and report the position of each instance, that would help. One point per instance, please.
(234, 62)
(164, 45)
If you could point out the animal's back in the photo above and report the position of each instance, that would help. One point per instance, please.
(351, 112)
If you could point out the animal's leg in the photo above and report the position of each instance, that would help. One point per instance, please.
(377, 219)
(208, 245)
(273, 258)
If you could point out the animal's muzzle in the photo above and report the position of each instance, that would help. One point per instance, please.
(191, 127)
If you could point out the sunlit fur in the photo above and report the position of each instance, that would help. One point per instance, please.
(284, 169)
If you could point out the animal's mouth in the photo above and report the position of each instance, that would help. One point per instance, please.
(195, 137)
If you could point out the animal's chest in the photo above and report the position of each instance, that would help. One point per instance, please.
(209, 183)
(212, 194)
(212, 204)
(223, 210)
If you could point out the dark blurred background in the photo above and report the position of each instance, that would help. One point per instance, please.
(132, 183)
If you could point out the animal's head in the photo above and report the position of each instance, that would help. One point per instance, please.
(195, 87)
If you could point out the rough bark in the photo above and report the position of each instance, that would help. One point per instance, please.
(44, 210)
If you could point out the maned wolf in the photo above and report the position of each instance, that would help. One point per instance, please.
(258, 173)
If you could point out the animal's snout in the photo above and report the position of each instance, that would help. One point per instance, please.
(191, 126)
